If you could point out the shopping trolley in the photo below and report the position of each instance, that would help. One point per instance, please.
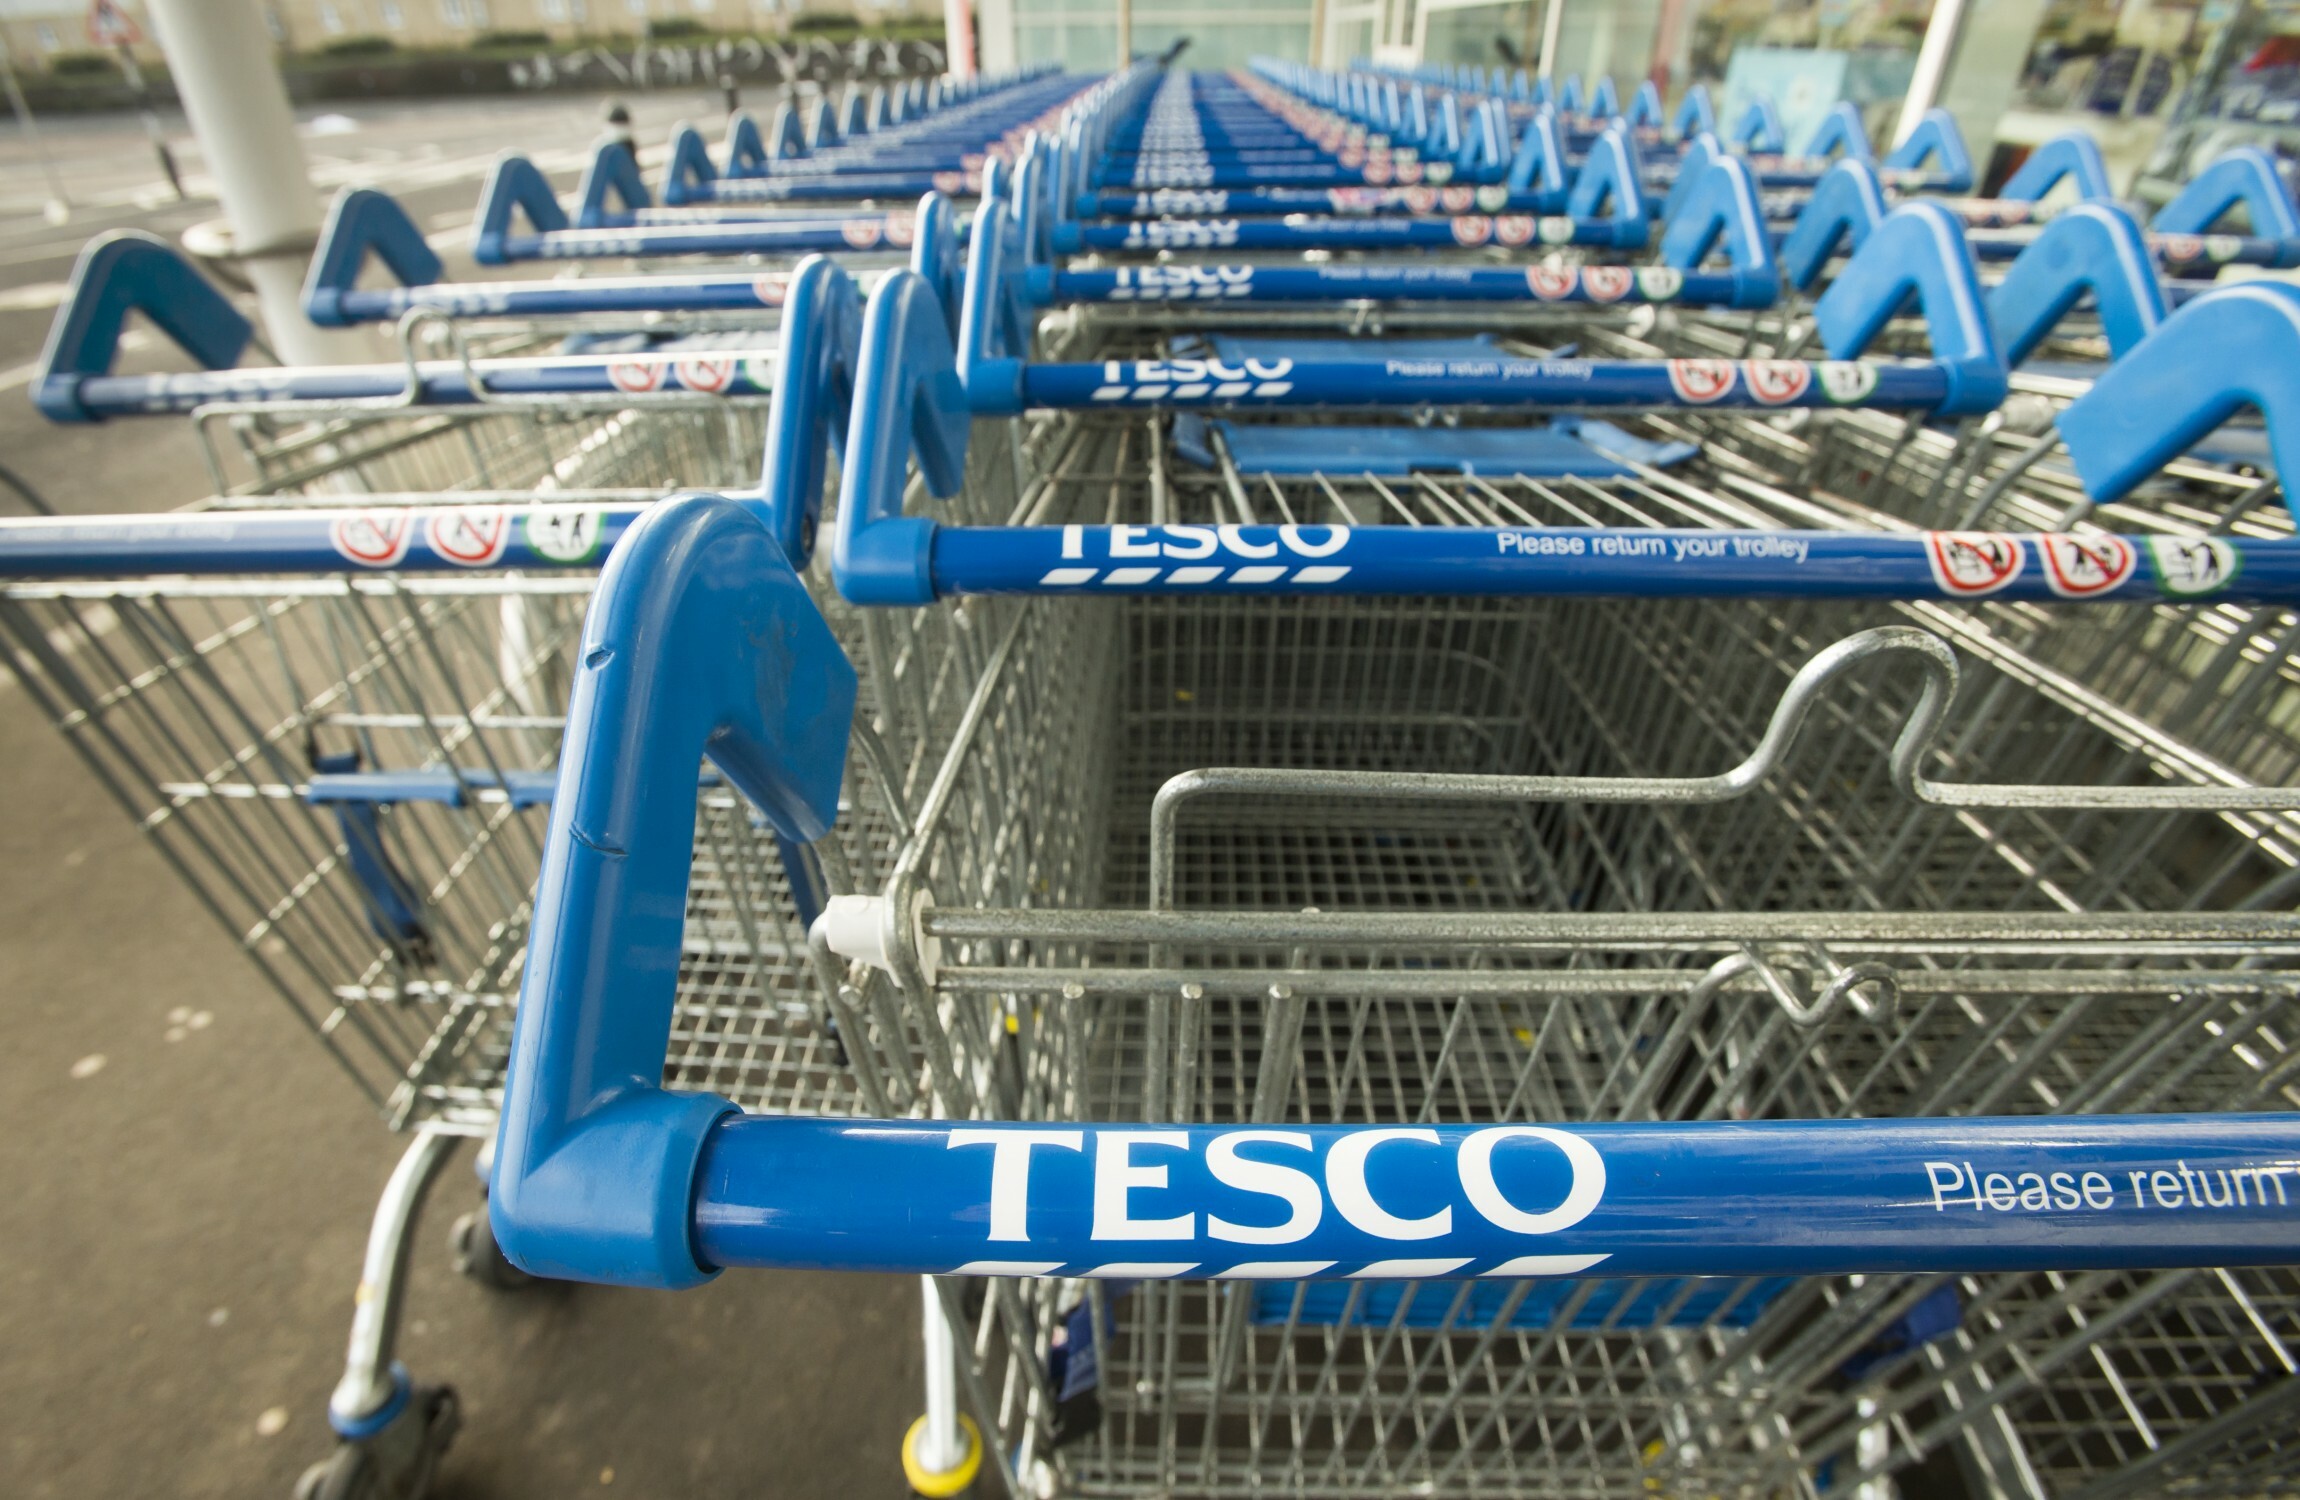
(340, 727)
(1843, 949)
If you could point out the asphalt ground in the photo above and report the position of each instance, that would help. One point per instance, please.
(185, 1179)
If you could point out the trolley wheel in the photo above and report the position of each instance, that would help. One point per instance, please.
(396, 1463)
(949, 1483)
(480, 1258)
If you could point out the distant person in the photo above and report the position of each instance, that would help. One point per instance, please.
(619, 127)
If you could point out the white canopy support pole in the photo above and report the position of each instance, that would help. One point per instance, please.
(958, 33)
(220, 57)
(994, 37)
(1940, 46)
(1125, 32)
(1552, 22)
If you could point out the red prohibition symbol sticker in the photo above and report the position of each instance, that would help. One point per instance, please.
(372, 538)
(1775, 382)
(1472, 229)
(635, 377)
(1607, 283)
(710, 376)
(473, 536)
(2080, 567)
(1551, 283)
(1700, 381)
(1967, 564)
(861, 234)
(1513, 229)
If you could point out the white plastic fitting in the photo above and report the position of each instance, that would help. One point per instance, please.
(862, 929)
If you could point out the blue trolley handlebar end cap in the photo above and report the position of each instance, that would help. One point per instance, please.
(2246, 177)
(1720, 209)
(362, 221)
(814, 393)
(701, 640)
(1645, 111)
(1759, 128)
(2075, 156)
(1841, 133)
(2093, 248)
(1847, 204)
(128, 271)
(1937, 141)
(2221, 352)
(908, 401)
(746, 148)
(690, 174)
(515, 188)
(611, 190)
(1696, 114)
(1919, 252)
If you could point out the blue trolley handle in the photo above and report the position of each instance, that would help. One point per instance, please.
(701, 641)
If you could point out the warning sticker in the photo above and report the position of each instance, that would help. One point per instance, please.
(1513, 229)
(372, 538)
(709, 376)
(1968, 564)
(1492, 199)
(861, 234)
(1556, 229)
(1607, 283)
(1846, 381)
(1458, 200)
(2189, 566)
(472, 536)
(635, 376)
(2079, 567)
(1776, 382)
(2180, 246)
(564, 533)
(1700, 381)
(1551, 283)
(1472, 229)
(901, 229)
(1660, 283)
(770, 290)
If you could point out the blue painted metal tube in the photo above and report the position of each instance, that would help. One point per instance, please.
(2178, 252)
(441, 382)
(543, 299)
(1428, 281)
(1747, 1199)
(951, 181)
(1348, 232)
(1577, 562)
(711, 237)
(1557, 383)
(395, 539)
(1220, 203)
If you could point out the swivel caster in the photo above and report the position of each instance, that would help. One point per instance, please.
(480, 1258)
(395, 1461)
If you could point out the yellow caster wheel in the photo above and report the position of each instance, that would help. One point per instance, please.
(951, 1481)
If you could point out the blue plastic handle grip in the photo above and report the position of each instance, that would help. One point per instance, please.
(1515, 1200)
(908, 402)
(2233, 347)
(362, 223)
(813, 400)
(119, 273)
(700, 641)
(2093, 249)
(1918, 253)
